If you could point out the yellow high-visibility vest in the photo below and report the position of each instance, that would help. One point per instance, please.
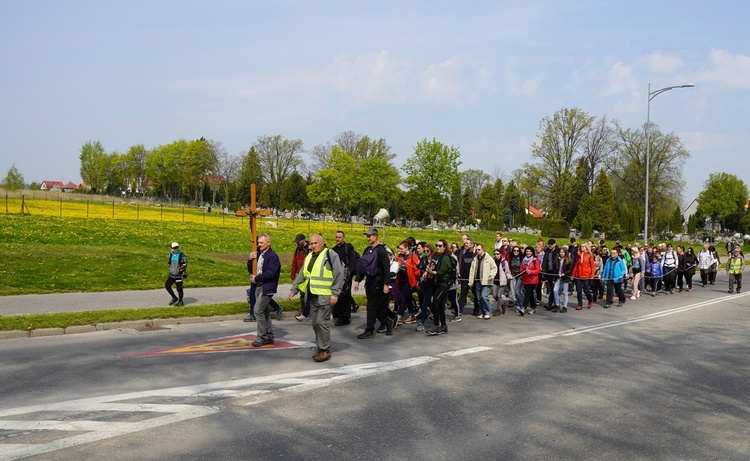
(320, 278)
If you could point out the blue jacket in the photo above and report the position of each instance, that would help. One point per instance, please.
(271, 271)
(655, 269)
(614, 269)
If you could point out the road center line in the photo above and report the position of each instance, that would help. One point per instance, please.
(601, 326)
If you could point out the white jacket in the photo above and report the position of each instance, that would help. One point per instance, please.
(487, 271)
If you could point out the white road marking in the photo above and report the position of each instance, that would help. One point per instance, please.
(601, 326)
(471, 350)
(77, 432)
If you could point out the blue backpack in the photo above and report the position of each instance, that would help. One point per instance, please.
(368, 262)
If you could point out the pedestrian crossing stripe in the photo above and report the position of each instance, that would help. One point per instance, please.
(228, 344)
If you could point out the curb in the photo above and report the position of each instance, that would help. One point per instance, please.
(130, 324)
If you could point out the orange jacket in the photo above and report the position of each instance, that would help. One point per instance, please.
(412, 271)
(585, 266)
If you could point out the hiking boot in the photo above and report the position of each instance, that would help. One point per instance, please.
(262, 342)
(322, 356)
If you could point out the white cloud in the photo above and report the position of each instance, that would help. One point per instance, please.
(439, 82)
(728, 70)
(526, 87)
(698, 141)
(620, 79)
(663, 63)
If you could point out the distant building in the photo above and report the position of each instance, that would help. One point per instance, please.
(533, 212)
(53, 186)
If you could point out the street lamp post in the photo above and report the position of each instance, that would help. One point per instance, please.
(652, 95)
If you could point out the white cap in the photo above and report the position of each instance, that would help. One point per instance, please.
(175, 245)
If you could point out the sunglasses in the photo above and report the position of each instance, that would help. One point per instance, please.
(439, 245)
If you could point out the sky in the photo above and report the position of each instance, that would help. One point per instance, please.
(477, 75)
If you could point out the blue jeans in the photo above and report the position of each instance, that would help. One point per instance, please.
(561, 289)
(483, 296)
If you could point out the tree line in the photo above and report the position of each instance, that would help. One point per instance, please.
(584, 170)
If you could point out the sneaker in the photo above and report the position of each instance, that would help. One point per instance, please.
(578, 308)
(420, 327)
(619, 304)
(607, 306)
(432, 331)
(563, 310)
(399, 321)
(555, 309)
(366, 335)
(442, 329)
(689, 288)
(520, 311)
(249, 318)
(280, 314)
(480, 316)
(300, 317)
(456, 319)
(531, 311)
(179, 303)
(633, 297)
(487, 316)
(410, 320)
(173, 301)
(381, 329)
(730, 291)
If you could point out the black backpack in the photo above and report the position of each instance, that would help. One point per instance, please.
(368, 262)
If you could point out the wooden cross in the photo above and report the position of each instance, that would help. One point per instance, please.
(254, 213)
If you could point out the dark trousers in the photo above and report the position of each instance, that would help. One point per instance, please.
(613, 287)
(438, 306)
(529, 295)
(670, 276)
(582, 287)
(462, 296)
(377, 305)
(173, 281)
(343, 308)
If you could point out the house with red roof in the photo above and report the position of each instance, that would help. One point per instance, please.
(55, 186)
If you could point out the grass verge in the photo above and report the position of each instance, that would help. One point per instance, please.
(68, 319)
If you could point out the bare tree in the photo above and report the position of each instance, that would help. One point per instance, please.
(278, 158)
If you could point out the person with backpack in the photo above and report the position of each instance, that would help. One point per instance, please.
(374, 268)
(177, 264)
(342, 311)
(320, 279)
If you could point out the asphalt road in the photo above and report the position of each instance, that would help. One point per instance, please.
(661, 378)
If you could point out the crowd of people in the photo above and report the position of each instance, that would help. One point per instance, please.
(424, 281)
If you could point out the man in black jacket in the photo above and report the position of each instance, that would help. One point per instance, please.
(374, 268)
(348, 255)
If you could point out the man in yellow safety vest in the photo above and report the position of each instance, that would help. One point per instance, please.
(320, 280)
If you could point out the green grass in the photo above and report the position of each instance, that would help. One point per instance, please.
(68, 319)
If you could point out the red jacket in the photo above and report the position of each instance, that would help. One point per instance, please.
(532, 276)
(412, 271)
(300, 253)
(585, 266)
